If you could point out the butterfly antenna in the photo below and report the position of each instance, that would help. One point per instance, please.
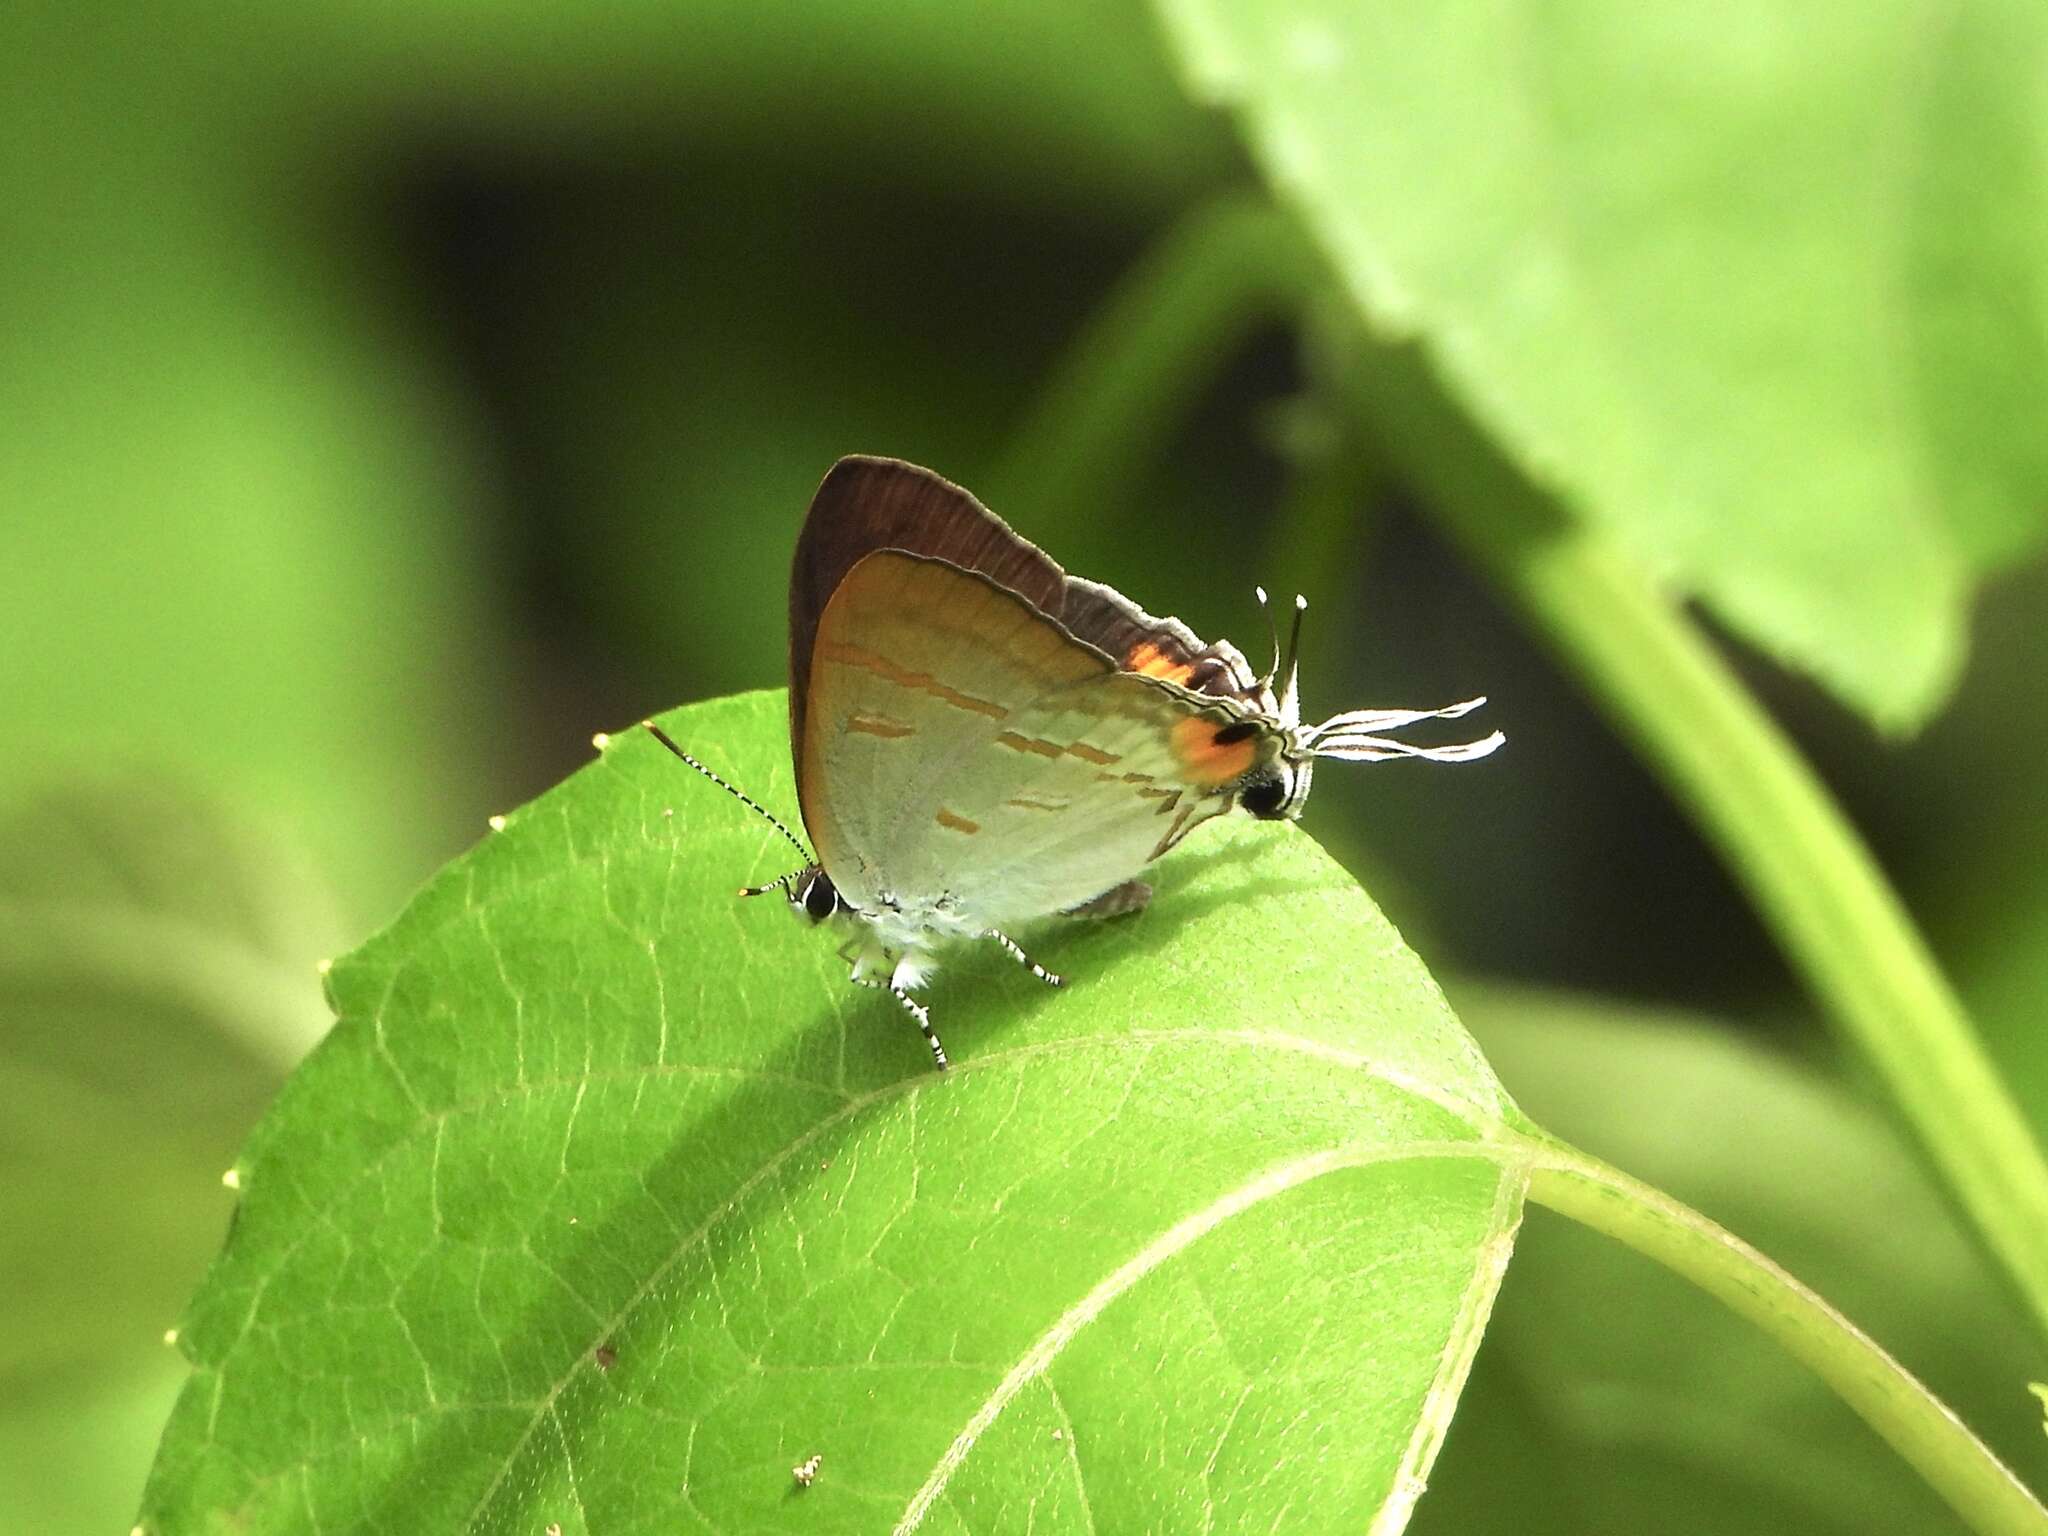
(744, 799)
(1290, 698)
(1272, 633)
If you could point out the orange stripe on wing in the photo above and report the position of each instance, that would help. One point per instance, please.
(946, 818)
(903, 677)
(878, 725)
(1017, 743)
(1043, 748)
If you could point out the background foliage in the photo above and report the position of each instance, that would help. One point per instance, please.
(390, 398)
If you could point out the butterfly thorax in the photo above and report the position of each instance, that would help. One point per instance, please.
(893, 939)
(899, 943)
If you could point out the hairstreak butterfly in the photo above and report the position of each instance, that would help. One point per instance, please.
(981, 739)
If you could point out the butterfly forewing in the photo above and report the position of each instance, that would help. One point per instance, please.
(959, 744)
(868, 504)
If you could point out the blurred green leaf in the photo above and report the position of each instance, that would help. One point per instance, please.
(1061, 102)
(156, 981)
(685, 438)
(608, 1201)
(1612, 1396)
(74, 1451)
(231, 545)
(1763, 291)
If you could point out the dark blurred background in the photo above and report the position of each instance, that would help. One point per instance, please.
(389, 399)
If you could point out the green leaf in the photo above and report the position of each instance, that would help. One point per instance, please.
(608, 1201)
(1759, 289)
(156, 980)
(1654, 1407)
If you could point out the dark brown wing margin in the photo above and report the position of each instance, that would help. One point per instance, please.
(865, 504)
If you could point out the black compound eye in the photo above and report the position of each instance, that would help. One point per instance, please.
(820, 897)
(1264, 796)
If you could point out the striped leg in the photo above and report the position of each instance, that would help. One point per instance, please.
(917, 1011)
(1025, 960)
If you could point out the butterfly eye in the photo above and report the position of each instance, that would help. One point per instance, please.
(1265, 793)
(819, 898)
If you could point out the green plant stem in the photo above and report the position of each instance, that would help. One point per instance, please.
(1722, 756)
(1665, 687)
(1143, 359)
(1882, 1392)
(1644, 660)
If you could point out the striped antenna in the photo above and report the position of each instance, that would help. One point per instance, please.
(744, 799)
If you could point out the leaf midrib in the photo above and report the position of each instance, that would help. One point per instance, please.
(1274, 1181)
(1493, 1139)
(1484, 1127)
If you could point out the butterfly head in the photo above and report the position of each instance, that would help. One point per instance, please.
(812, 895)
(1277, 789)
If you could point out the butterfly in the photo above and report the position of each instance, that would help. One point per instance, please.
(981, 739)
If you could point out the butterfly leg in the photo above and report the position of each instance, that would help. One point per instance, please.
(1029, 964)
(917, 1011)
(1131, 896)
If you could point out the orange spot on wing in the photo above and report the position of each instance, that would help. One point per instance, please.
(1147, 658)
(1206, 761)
(958, 823)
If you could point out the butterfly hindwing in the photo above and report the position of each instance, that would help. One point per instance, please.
(960, 744)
